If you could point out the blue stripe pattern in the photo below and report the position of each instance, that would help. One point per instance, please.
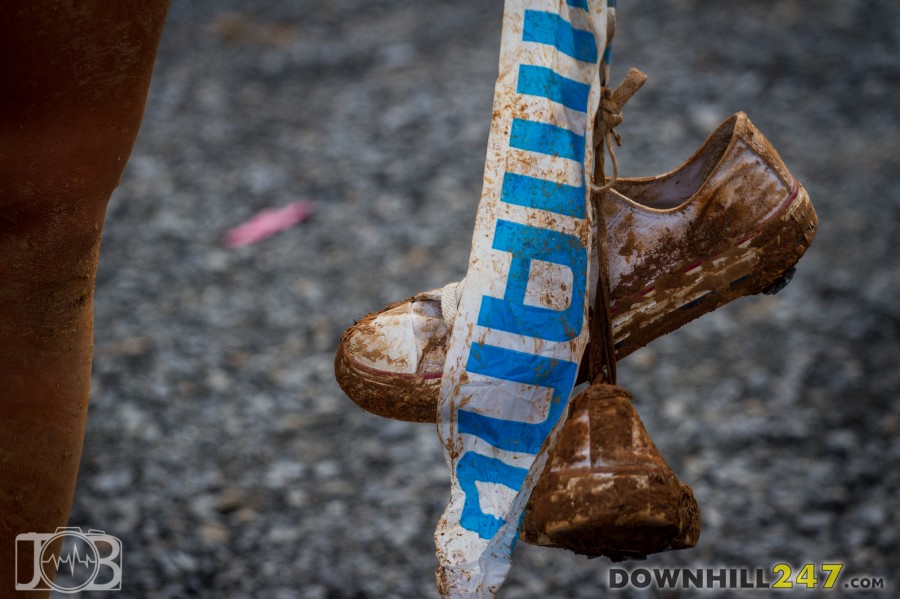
(532, 192)
(553, 30)
(546, 139)
(510, 313)
(526, 244)
(474, 467)
(546, 83)
(528, 369)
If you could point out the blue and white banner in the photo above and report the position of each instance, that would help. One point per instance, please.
(521, 327)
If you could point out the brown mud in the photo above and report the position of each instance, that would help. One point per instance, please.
(606, 489)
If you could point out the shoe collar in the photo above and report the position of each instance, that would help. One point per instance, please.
(698, 169)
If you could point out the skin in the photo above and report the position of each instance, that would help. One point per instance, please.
(73, 85)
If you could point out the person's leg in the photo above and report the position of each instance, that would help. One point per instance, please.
(73, 84)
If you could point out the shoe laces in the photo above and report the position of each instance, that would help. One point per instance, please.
(602, 351)
(611, 103)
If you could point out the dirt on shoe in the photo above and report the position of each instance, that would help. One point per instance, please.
(606, 489)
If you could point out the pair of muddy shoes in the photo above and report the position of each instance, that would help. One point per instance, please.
(729, 222)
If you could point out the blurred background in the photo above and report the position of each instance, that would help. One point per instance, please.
(220, 449)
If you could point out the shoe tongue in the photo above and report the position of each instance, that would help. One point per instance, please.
(449, 303)
(428, 332)
(601, 351)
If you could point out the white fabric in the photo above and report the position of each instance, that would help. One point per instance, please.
(496, 338)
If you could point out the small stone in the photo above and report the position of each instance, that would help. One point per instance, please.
(212, 534)
(230, 499)
(112, 481)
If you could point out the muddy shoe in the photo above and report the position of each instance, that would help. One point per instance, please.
(606, 489)
(729, 222)
(391, 362)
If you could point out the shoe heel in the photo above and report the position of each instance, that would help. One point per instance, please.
(606, 489)
(777, 248)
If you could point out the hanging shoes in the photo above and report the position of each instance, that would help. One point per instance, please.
(729, 222)
(606, 489)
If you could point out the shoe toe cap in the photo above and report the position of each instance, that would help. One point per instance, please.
(399, 340)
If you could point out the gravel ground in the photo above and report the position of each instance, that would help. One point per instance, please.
(224, 455)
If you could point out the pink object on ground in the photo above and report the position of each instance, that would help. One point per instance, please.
(268, 222)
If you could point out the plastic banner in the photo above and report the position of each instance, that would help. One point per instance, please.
(521, 325)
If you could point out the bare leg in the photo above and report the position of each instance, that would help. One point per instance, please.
(73, 83)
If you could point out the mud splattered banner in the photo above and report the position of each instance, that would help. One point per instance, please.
(521, 326)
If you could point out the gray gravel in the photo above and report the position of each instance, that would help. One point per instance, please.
(221, 450)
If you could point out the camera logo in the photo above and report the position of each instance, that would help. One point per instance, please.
(87, 561)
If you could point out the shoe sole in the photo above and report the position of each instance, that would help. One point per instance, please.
(621, 513)
(758, 263)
